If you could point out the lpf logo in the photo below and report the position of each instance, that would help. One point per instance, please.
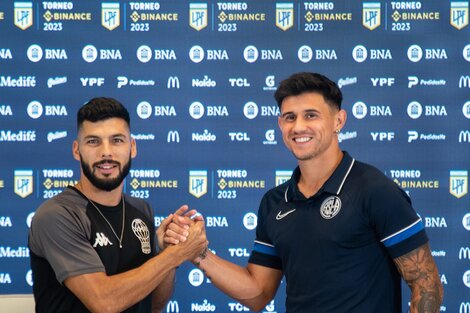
(458, 185)
(459, 14)
(198, 15)
(284, 15)
(371, 15)
(23, 183)
(110, 15)
(198, 183)
(23, 14)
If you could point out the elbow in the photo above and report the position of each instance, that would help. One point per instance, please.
(257, 305)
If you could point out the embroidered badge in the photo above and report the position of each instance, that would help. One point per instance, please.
(141, 231)
(330, 207)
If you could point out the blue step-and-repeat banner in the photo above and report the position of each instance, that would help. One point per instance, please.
(198, 79)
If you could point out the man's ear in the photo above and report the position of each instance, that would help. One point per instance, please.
(133, 148)
(75, 150)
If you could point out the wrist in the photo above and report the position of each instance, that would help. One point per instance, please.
(202, 255)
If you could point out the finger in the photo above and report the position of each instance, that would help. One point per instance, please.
(164, 224)
(198, 217)
(190, 213)
(170, 240)
(175, 228)
(177, 236)
(182, 221)
(181, 211)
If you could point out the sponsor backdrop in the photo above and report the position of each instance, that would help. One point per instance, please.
(198, 79)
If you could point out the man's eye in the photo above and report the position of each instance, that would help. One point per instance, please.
(310, 116)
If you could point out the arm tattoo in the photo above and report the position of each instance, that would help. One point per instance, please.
(418, 269)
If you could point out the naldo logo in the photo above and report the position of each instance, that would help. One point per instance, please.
(359, 53)
(415, 53)
(196, 54)
(144, 110)
(414, 109)
(89, 53)
(359, 110)
(34, 53)
(196, 110)
(250, 110)
(144, 54)
(35, 109)
(250, 53)
(305, 54)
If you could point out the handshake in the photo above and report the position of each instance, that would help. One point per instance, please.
(184, 233)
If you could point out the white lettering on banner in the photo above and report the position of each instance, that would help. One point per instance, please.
(8, 252)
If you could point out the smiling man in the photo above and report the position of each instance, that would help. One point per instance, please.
(93, 248)
(340, 231)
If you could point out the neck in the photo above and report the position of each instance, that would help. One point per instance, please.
(107, 198)
(315, 172)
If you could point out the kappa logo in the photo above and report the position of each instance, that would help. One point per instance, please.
(101, 240)
(280, 215)
(330, 207)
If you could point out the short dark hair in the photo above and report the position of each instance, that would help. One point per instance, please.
(101, 108)
(303, 82)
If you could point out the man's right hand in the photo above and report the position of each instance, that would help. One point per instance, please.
(187, 233)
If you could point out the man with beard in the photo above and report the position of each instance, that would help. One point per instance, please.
(339, 230)
(93, 249)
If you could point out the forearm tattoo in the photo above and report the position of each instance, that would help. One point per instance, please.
(420, 273)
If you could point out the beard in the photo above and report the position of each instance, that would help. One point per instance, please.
(106, 184)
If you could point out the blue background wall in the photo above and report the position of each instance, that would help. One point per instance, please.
(404, 69)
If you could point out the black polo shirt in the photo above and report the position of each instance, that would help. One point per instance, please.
(69, 237)
(336, 248)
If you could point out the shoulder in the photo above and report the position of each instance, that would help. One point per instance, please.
(68, 202)
(369, 176)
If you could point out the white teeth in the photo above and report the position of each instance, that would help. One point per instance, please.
(106, 167)
(302, 139)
